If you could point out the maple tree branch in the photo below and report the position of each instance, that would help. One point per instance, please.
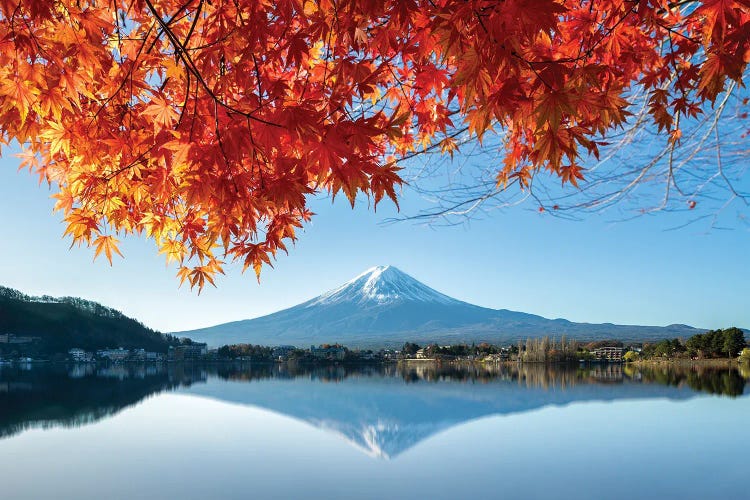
(609, 189)
(463, 208)
(353, 84)
(190, 65)
(196, 16)
(188, 76)
(433, 146)
(127, 78)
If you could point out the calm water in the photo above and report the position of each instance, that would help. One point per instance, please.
(379, 432)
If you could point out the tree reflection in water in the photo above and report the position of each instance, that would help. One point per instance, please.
(59, 395)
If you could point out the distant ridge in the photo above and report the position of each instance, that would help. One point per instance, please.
(384, 306)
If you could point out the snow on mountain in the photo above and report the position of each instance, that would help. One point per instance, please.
(386, 307)
(381, 285)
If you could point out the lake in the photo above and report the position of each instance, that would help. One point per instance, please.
(406, 431)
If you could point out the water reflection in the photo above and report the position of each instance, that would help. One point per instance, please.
(381, 409)
(72, 396)
(727, 382)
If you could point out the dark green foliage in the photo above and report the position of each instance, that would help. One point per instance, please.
(449, 351)
(717, 343)
(712, 344)
(409, 349)
(711, 380)
(726, 382)
(696, 344)
(247, 351)
(734, 341)
(68, 322)
(664, 348)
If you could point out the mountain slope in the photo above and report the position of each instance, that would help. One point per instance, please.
(384, 306)
(63, 323)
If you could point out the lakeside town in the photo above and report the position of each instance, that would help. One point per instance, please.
(727, 344)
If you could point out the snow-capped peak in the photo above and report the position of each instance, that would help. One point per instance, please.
(381, 285)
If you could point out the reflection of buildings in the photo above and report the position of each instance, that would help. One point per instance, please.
(607, 373)
(117, 371)
(80, 370)
(422, 371)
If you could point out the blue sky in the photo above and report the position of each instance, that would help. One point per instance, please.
(632, 272)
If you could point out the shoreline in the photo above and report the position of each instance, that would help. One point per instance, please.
(690, 363)
(706, 362)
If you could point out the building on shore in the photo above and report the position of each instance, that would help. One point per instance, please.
(154, 356)
(282, 352)
(332, 352)
(113, 355)
(80, 356)
(9, 338)
(608, 353)
(187, 351)
(497, 357)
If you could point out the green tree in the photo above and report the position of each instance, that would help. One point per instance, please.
(631, 356)
(717, 342)
(734, 341)
(697, 345)
(648, 350)
(409, 349)
(663, 348)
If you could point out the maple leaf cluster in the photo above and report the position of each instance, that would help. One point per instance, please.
(205, 125)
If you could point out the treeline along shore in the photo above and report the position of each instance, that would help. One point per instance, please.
(69, 329)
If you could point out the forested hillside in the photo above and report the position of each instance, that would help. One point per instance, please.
(57, 324)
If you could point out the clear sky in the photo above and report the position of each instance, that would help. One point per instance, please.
(632, 272)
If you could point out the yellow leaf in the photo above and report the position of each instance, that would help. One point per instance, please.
(55, 135)
(106, 244)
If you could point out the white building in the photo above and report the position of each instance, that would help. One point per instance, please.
(332, 352)
(608, 353)
(114, 354)
(282, 352)
(79, 355)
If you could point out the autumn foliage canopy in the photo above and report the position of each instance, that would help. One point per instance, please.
(204, 124)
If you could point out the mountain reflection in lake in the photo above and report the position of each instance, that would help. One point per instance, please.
(389, 412)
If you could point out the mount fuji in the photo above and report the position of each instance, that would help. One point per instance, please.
(386, 307)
